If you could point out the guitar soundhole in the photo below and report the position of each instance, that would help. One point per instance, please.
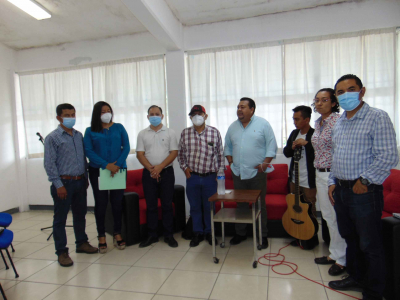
(297, 209)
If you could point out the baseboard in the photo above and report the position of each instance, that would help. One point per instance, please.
(12, 210)
(51, 207)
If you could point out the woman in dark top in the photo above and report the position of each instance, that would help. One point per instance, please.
(107, 147)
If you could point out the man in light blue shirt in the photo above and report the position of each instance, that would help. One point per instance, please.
(364, 152)
(249, 148)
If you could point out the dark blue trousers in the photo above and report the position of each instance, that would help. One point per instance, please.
(359, 222)
(76, 199)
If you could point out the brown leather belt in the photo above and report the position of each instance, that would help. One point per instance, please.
(68, 177)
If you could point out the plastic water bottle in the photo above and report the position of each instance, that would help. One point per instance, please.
(221, 182)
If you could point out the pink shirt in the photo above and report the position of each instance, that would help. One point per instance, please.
(322, 141)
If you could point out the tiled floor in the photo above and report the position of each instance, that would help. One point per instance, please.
(158, 272)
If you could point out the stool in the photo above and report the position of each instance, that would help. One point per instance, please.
(5, 221)
(5, 241)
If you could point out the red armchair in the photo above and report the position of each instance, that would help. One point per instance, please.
(134, 217)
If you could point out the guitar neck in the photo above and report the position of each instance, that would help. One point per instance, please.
(296, 182)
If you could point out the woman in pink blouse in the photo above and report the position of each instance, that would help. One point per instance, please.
(327, 105)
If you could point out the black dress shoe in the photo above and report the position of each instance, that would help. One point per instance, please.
(336, 270)
(209, 239)
(346, 284)
(197, 238)
(237, 239)
(171, 241)
(264, 244)
(150, 240)
(294, 243)
(324, 261)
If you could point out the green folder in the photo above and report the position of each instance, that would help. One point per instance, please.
(106, 182)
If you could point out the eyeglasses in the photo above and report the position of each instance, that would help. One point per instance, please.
(316, 101)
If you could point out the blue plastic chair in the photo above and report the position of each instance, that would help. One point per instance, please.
(5, 241)
(5, 221)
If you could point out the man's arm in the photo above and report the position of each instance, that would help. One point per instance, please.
(384, 149)
(228, 149)
(288, 149)
(50, 158)
(220, 153)
(182, 159)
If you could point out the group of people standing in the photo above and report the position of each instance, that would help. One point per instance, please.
(344, 162)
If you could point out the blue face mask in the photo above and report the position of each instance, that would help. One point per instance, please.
(349, 101)
(69, 122)
(155, 120)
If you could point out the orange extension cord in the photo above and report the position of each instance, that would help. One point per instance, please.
(291, 265)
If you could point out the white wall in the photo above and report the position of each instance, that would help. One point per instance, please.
(346, 17)
(8, 167)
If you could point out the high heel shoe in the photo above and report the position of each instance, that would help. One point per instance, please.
(102, 246)
(120, 245)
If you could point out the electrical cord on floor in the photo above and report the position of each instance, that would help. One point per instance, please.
(291, 265)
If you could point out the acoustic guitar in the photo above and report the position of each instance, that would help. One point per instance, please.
(298, 220)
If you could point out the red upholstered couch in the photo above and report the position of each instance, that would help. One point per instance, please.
(275, 201)
(134, 218)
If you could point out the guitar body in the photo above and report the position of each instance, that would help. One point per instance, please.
(300, 224)
(298, 220)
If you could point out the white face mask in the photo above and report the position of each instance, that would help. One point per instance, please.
(106, 118)
(198, 120)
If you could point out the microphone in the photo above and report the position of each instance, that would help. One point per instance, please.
(40, 137)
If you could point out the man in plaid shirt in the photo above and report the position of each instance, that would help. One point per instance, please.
(200, 156)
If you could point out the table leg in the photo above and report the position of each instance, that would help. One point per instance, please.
(259, 224)
(223, 229)
(216, 260)
(253, 208)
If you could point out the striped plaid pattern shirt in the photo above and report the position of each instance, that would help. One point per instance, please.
(364, 145)
(203, 152)
(64, 155)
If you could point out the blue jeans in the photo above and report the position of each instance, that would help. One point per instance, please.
(101, 202)
(198, 190)
(359, 222)
(76, 199)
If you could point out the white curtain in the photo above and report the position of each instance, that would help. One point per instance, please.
(129, 86)
(283, 75)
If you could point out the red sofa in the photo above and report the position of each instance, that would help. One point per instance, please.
(275, 201)
(134, 217)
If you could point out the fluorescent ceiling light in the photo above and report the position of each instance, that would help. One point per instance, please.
(32, 8)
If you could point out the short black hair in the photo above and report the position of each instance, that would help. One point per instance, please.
(251, 102)
(333, 97)
(96, 124)
(60, 108)
(350, 76)
(306, 111)
(148, 111)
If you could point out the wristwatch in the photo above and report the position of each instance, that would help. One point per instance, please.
(364, 181)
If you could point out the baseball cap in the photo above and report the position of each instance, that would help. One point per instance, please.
(197, 108)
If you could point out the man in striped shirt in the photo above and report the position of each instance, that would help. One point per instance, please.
(364, 152)
(65, 165)
(200, 156)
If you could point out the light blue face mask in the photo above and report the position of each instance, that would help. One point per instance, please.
(155, 120)
(349, 101)
(69, 122)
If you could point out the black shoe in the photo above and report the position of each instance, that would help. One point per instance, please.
(295, 243)
(196, 239)
(264, 244)
(171, 241)
(237, 239)
(324, 261)
(209, 239)
(346, 284)
(150, 240)
(336, 270)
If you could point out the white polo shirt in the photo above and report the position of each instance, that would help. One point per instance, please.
(157, 145)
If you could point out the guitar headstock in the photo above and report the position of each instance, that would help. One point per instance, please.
(297, 154)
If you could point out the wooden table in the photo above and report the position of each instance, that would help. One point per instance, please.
(235, 215)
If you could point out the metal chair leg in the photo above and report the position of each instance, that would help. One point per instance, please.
(12, 247)
(5, 263)
(12, 264)
(2, 292)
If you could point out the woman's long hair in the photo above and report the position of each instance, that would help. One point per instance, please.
(96, 124)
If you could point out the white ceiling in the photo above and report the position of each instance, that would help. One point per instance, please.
(72, 20)
(194, 12)
(77, 20)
